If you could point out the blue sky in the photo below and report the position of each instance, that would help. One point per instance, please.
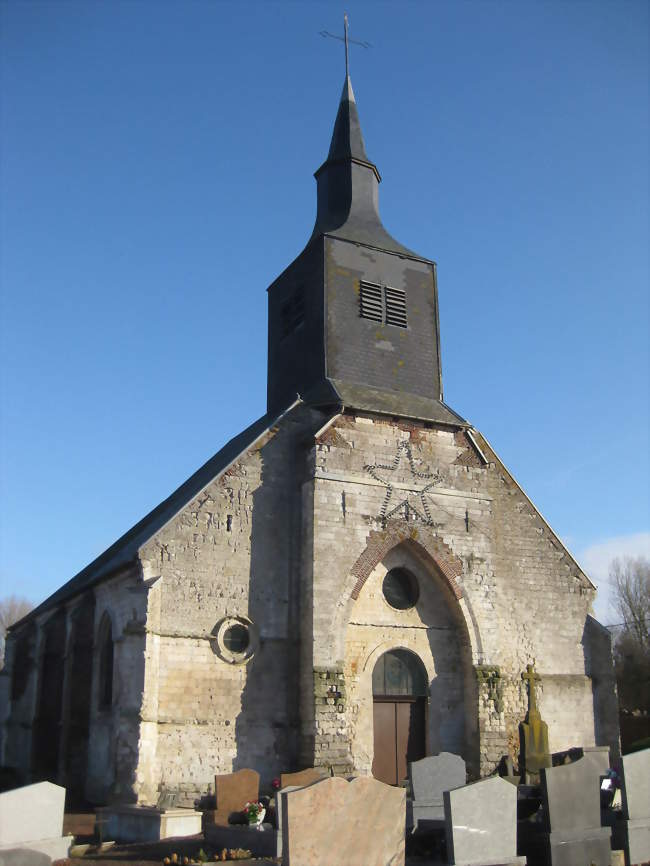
(156, 176)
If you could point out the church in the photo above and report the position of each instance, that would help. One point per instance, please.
(353, 582)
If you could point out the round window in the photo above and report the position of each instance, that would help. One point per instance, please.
(236, 639)
(401, 589)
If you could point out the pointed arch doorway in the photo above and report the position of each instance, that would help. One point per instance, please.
(399, 693)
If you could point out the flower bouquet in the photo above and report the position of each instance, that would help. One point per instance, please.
(255, 813)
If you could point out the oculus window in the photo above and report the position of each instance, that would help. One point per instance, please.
(400, 589)
(235, 639)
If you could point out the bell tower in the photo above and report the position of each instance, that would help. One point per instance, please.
(354, 320)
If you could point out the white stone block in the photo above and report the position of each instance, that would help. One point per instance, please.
(31, 813)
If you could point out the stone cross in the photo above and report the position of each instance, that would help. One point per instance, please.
(531, 678)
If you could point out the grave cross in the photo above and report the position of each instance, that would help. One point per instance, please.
(345, 38)
(531, 678)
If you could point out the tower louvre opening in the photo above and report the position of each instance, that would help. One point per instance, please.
(370, 301)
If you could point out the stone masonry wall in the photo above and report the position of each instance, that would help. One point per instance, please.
(229, 554)
(518, 595)
(115, 732)
(435, 631)
(104, 765)
(294, 539)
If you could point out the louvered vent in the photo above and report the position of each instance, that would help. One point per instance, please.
(370, 306)
(395, 307)
(293, 312)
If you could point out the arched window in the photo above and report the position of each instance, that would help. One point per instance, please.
(23, 664)
(399, 672)
(106, 663)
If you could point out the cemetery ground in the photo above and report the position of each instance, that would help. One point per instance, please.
(82, 827)
(558, 809)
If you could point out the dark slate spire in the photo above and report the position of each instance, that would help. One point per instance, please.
(353, 320)
(347, 139)
(348, 184)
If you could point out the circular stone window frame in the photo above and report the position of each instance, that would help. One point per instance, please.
(217, 640)
(415, 584)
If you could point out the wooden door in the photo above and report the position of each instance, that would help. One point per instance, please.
(399, 735)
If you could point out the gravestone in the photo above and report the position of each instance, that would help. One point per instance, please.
(168, 799)
(598, 756)
(130, 822)
(303, 777)
(481, 823)
(571, 833)
(31, 824)
(335, 821)
(227, 826)
(533, 733)
(507, 771)
(635, 784)
(429, 778)
(232, 791)
(278, 817)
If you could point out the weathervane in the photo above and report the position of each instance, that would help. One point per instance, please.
(346, 40)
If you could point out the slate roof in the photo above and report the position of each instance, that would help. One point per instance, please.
(347, 138)
(347, 183)
(384, 401)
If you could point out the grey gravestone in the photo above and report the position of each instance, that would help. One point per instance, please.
(599, 757)
(571, 802)
(430, 778)
(168, 799)
(481, 823)
(636, 805)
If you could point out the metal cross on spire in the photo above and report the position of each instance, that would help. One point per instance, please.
(346, 39)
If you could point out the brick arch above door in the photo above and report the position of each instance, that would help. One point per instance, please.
(380, 542)
(431, 550)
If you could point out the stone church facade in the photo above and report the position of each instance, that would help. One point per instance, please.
(354, 581)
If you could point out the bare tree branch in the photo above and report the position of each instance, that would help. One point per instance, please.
(12, 608)
(630, 581)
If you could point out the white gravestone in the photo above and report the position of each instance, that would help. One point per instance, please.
(31, 820)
